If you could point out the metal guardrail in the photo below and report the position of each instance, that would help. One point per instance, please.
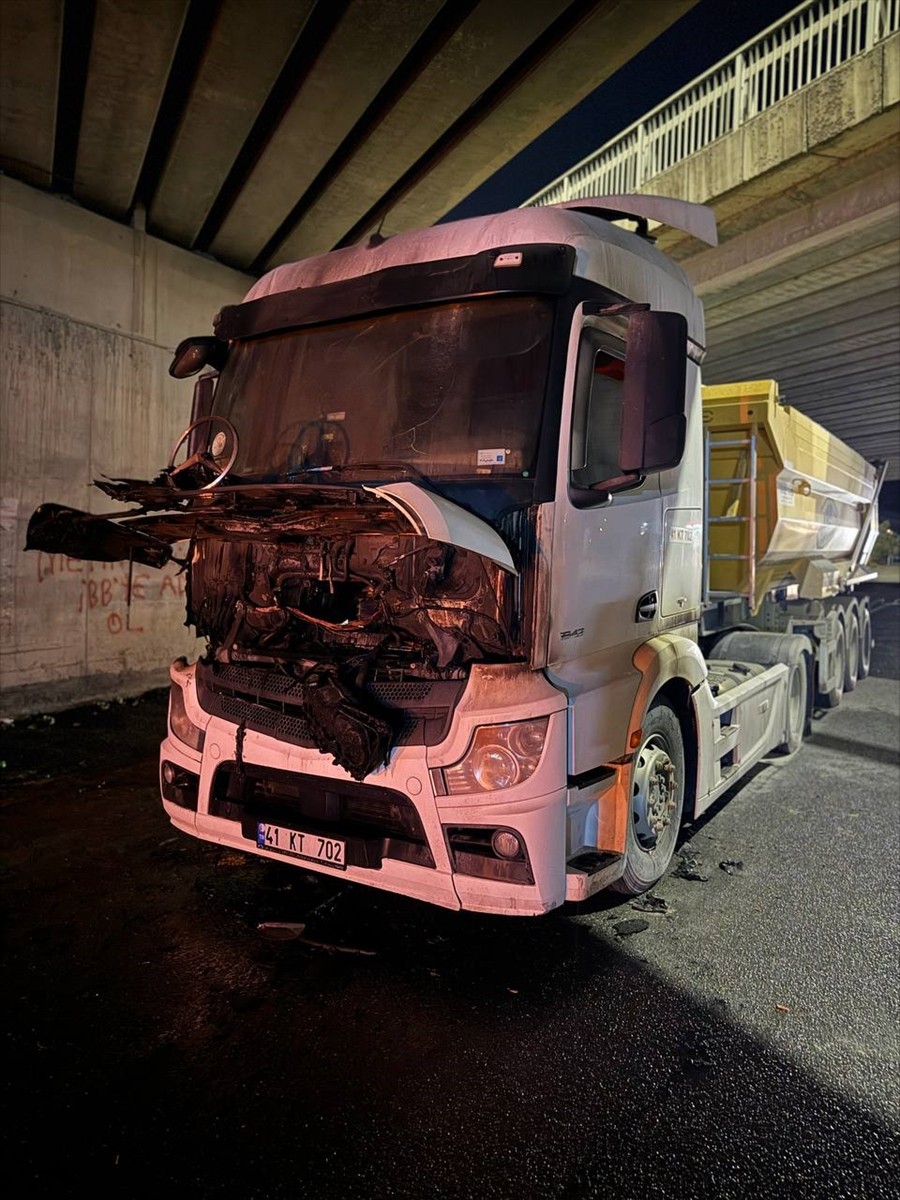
(817, 37)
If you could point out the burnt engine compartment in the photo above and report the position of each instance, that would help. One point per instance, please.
(321, 625)
(338, 613)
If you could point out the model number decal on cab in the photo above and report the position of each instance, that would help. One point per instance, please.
(571, 633)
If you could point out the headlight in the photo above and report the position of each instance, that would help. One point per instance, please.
(499, 756)
(180, 723)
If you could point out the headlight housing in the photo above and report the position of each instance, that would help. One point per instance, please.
(498, 757)
(180, 723)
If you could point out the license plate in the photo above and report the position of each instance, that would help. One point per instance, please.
(311, 847)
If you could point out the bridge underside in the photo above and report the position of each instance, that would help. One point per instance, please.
(805, 285)
(261, 133)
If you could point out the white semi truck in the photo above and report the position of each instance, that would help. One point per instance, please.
(494, 593)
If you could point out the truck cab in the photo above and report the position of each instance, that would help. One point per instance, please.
(441, 509)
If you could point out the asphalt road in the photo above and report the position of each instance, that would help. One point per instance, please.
(741, 1043)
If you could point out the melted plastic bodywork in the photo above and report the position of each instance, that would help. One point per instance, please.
(329, 586)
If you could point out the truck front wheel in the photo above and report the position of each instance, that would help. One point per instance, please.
(657, 799)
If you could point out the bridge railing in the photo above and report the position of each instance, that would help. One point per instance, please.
(817, 37)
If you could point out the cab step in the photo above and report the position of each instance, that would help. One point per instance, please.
(591, 872)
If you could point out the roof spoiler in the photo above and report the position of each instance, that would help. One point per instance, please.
(698, 220)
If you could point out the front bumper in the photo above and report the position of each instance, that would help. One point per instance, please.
(410, 854)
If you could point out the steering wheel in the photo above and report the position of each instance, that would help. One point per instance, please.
(322, 434)
(214, 454)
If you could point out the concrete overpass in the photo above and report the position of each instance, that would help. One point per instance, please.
(263, 132)
(795, 142)
(157, 155)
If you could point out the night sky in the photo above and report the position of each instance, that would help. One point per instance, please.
(711, 31)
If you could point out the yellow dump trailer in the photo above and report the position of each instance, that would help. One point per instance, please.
(789, 505)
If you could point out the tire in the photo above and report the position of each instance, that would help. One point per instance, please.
(657, 801)
(798, 690)
(832, 698)
(866, 641)
(851, 661)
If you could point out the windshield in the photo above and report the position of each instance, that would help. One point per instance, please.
(454, 390)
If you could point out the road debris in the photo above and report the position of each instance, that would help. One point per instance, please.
(731, 866)
(689, 865)
(280, 931)
(650, 904)
(782, 1008)
(332, 947)
(696, 1053)
(627, 928)
(232, 858)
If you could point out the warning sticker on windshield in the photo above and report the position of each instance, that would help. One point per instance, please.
(490, 458)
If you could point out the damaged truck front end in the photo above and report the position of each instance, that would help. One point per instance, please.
(357, 505)
(335, 612)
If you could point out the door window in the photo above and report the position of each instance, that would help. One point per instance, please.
(597, 419)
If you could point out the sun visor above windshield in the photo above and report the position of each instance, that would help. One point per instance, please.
(699, 220)
(541, 268)
(441, 520)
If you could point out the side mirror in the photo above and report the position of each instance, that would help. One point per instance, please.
(654, 423)
(193, 354)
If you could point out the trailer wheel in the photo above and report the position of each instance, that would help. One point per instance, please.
(851, 663)
(832, 698)
(657, 799)
(866, 641)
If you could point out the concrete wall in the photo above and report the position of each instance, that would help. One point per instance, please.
(91, 311)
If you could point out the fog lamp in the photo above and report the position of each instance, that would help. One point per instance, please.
(505, 844)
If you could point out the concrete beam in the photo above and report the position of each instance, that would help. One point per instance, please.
(481, 48)
(877, 296)
(131, 53)
(367, 46)
(608, 38)
(231, 88)
(817, 226)
(32, 36)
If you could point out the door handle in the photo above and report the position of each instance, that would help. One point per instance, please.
(647, 606)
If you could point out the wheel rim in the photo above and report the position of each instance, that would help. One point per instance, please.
(654, 792)
(853, 652)
(841, 656)
(796, 714)
(865, 637)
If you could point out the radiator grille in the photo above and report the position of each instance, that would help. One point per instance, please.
(269, 702)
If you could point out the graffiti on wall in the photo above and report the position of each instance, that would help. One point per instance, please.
(111, 588)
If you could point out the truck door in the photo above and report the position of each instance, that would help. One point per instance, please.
(606, 552)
